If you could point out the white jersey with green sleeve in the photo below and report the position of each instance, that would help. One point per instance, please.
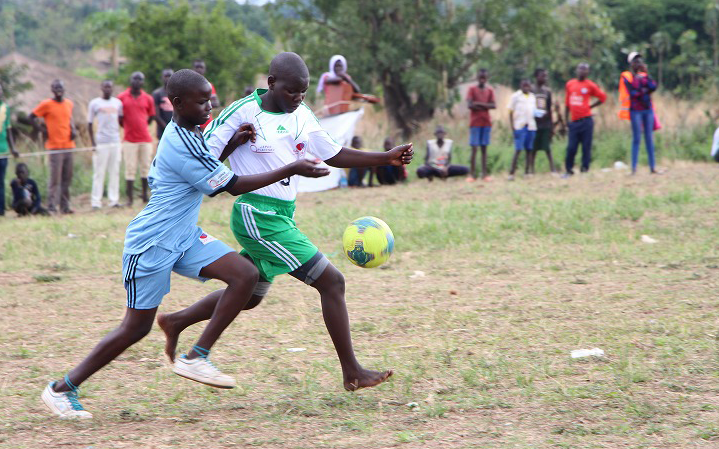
(281, 139)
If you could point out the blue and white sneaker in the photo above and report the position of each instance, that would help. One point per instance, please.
(65, 404)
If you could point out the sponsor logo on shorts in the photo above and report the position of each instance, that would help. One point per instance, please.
(219, 179)
(206, 238)
(262, 149)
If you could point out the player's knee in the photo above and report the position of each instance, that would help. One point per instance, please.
(253, 302)
(246, 276)
(136, 332)
(334, 283)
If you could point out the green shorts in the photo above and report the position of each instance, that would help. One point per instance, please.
(543, 139)
(265, 228)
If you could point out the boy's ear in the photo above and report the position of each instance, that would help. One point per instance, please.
(176, 102)
(271, 82)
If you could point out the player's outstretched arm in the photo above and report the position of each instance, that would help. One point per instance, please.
(348, 158)
(302, 167)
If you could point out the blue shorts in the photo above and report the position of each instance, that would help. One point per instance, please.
(524, 139)
(479, 135)
(147, 275)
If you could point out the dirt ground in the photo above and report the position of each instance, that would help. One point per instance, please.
(491, 286)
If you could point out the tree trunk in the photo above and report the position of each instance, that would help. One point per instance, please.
(407, 116)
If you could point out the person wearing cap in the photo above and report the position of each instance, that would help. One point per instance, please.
(636, 88)
(438, 158)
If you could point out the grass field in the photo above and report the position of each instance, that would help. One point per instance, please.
(490, 288)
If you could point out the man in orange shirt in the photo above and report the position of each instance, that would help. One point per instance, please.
(579, 92)
(57, 113)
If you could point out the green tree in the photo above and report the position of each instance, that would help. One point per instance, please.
(10, 79)
(172, 35)
(711, 25)
(104, 29)
(409, 51)
(661, 43)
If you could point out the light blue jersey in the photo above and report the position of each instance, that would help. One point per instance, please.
(181, 174)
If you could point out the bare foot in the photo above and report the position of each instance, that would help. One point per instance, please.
(365, 379)
(171, 335)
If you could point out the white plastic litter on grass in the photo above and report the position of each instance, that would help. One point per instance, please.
(579, 353)
(619, 165)
(296, 349)
(647, 239)
(417, 274)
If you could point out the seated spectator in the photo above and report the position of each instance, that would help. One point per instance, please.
(25, 194)
(389, 174)
(356, 175)
(438, 160)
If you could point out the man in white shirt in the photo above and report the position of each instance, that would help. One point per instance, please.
(439, 157)
(715, 146)
(106, 141)
(522, 105)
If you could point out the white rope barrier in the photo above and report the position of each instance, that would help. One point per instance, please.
(48, 152)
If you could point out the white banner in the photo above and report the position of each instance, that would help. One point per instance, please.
(342, 128)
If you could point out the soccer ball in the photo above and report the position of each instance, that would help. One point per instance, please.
(368, 242)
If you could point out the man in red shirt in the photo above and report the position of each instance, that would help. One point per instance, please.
(480, 99)
(138, 112)
(198, 65)
(579, 92)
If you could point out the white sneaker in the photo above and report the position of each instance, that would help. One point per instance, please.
(202, 370)
(64, 404)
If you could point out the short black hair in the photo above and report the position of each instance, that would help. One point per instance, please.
(198, 60)
(539, 70)
(480, 71)
(288, 64)
(184, 81)
(21, 165)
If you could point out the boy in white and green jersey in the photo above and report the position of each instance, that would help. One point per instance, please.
(262, 221)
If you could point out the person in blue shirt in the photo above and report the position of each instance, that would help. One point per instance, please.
(164, 237)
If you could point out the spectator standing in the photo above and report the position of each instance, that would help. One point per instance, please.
(480, 99)
(57, 113)
(7, 145)
(522, 106)
(545, 123)
(199, 66)
(578, 112)
(25, 194)
(138, 111)
(163, 106)
(438, 161)
(640, 86)
(107, 110)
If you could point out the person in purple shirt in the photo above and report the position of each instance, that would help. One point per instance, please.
(641, 110)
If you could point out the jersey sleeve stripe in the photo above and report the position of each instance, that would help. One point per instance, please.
(196, 151)
(224, 115)
(191, 149)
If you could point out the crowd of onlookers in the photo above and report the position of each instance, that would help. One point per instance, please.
(533, 118)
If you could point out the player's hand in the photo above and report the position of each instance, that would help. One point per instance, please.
(400, 155)
(309, 168)
(246, 132)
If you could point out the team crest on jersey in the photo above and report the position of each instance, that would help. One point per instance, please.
(281, 130)
(300, 147)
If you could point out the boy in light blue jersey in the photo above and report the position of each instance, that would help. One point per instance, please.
(164, 237)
